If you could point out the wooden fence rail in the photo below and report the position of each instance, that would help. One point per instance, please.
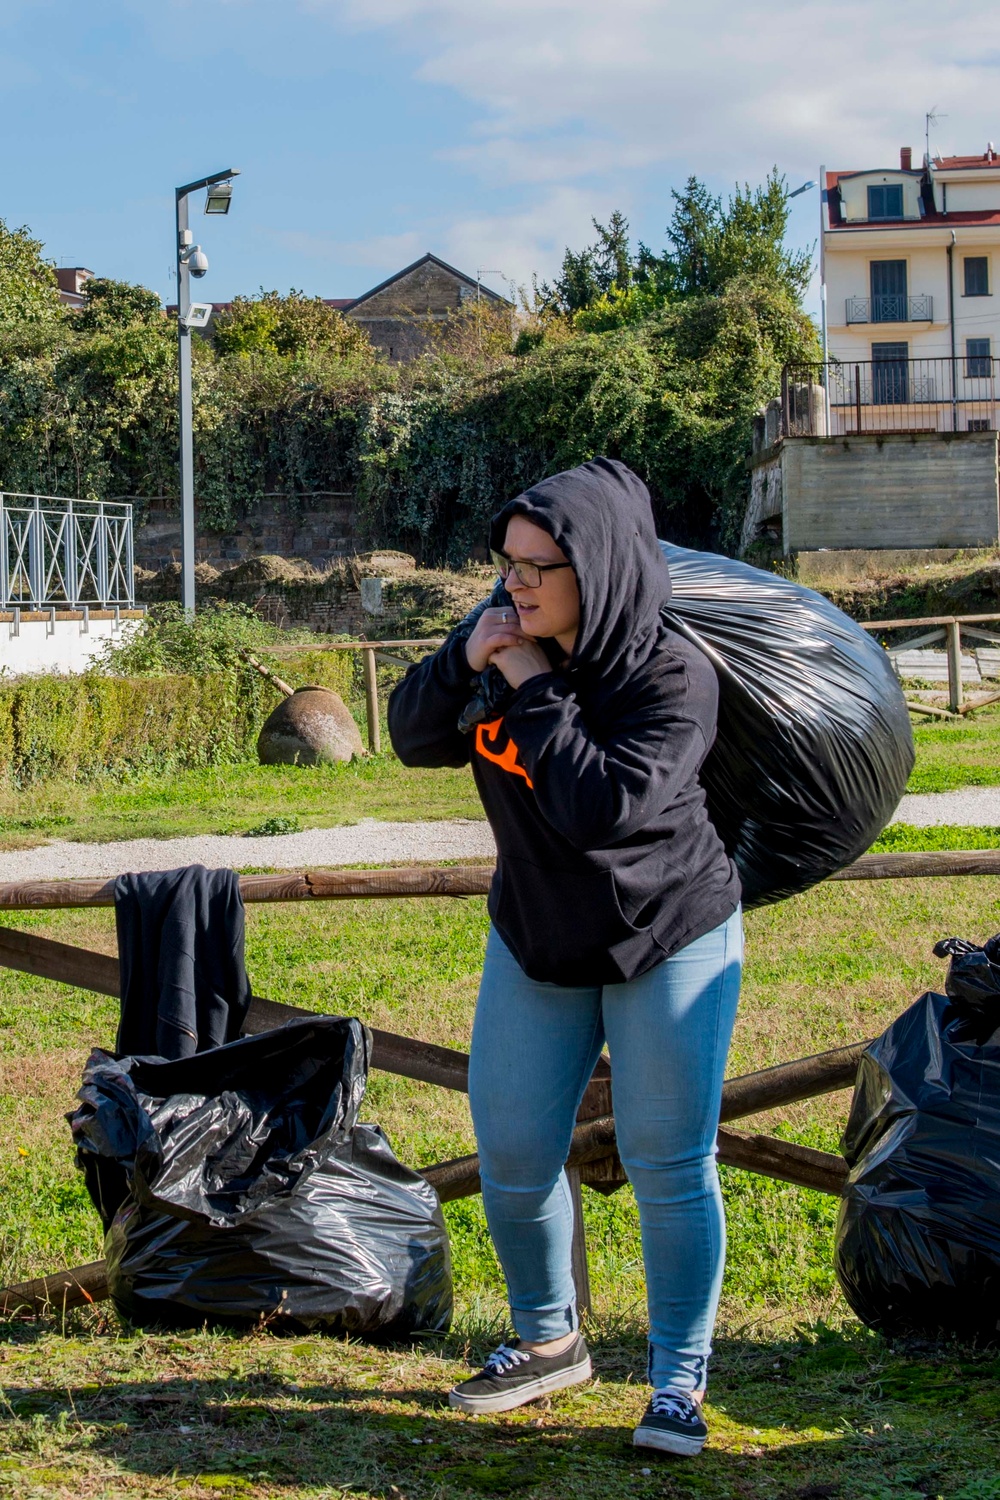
(457, 880)
(593, 1152)
(947, 626)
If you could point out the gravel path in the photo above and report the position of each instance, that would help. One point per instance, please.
(371, 842)
(970, 807)
(368, 842)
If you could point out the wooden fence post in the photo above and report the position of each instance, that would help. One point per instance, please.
(581, 1269)
(371, 699)
(954, 666)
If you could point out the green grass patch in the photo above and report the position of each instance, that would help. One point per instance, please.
(952, 755)
(899, 837)
(803, 1402)
(231, 799)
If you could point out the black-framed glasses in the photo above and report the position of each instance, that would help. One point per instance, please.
(527, 573)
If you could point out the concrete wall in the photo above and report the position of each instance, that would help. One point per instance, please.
(898, 490)
(37, 643)
(765, 503)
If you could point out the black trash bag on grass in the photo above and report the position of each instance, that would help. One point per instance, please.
(814, 745)
(236, 1186)
(918, 1235)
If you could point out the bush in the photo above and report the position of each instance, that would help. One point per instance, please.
(176, 693)
(83, 726)
(168, 641)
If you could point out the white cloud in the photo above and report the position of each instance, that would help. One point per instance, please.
(576, 102)
(719, 88)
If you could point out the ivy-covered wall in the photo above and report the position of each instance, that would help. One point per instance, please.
(431, 449)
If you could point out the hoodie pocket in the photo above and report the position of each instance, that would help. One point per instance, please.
(565, 926)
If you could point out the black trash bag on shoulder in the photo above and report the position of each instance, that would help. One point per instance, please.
(236, 1186)
(814, 745)
(918, 1235)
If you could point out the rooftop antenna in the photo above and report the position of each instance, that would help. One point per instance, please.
(930, 118)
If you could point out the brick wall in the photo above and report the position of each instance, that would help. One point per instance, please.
(313, 528)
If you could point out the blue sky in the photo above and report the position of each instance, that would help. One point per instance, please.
(488, 131)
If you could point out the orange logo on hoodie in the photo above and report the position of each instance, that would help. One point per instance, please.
(507, 758)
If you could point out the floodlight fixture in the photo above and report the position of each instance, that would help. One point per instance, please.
(199, 315)
(218, 198)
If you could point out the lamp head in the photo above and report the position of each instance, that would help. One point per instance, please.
(218, 198)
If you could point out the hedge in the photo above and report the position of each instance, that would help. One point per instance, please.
(83, 726)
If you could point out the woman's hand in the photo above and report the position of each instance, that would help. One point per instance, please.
(494, 629)
(521, 662)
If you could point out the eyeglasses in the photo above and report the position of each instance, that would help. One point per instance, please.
(527, 573)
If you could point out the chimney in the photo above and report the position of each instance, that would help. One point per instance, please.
(906, 158)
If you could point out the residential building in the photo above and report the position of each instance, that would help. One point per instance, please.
(911, 257)
(72, 281)
(891, 444)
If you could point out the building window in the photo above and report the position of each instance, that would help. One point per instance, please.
(978, 364)
(888, 289)
(886, 202)
(977, 281)
(890, 374)
(979, 424)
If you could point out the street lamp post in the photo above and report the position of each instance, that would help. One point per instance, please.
(191, 261)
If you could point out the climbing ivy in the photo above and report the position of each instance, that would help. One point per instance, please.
(431, 449)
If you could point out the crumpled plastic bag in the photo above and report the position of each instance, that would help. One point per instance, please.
(814, 745)
(236, 1186)
(918, 1235)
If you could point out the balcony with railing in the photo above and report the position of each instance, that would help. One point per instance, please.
(68, 553)
(890, 395)
(891, 307)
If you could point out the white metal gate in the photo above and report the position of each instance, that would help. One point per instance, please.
(68, 552)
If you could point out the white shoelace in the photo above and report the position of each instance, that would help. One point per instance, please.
(505, 1358)
(674, 1405)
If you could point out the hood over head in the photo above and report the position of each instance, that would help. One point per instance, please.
(601, 516)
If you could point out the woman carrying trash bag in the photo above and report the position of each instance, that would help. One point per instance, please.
(615, 917)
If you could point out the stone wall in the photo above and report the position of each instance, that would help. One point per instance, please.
(890, 490)
(315, 529)
(399, 318)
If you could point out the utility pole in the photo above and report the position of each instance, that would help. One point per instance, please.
(191, 261)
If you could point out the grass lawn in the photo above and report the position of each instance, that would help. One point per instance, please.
(803, 1403)
(230, 799)
(237, 798)
(953, 755)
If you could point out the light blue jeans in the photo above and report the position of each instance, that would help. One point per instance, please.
(534, 1047)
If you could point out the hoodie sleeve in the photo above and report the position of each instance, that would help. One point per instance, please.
(424, 708)
(596, 792)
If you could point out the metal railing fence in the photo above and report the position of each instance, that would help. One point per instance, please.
(71, 552)
(891, 394)
(891, 307)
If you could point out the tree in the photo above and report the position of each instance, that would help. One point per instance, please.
(116, 304)
(289, 326)
(29, 294)
(711, 242)
(594, 272)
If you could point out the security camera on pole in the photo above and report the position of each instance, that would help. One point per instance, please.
(192, 261)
